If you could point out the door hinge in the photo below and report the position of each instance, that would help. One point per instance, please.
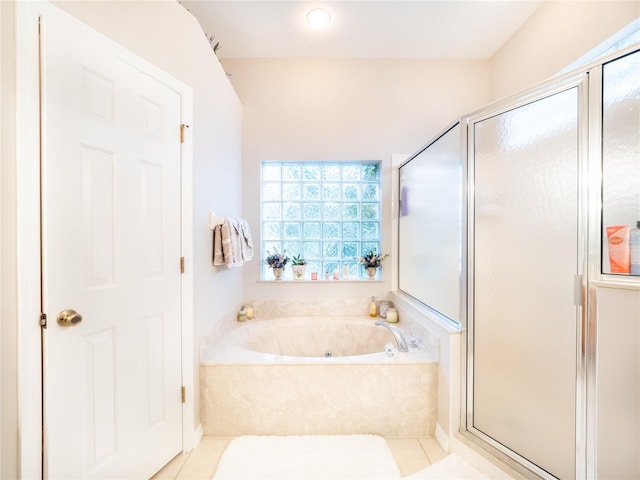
(181, 264)
(183, 393)
(182, 132)
(43, 320)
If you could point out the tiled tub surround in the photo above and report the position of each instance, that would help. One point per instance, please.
(271, 377)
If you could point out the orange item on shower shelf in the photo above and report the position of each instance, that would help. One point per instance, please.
(618, 236)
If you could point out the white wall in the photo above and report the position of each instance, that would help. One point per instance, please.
(8, 307)
(556, 35)
(1, 90)
(163, 33)
(334, 109)
(618, 382)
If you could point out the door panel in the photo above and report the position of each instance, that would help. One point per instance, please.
(111, 249)
(525, 259)
(429, 224)
(617, 313)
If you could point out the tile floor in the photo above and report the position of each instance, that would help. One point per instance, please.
(412, 455)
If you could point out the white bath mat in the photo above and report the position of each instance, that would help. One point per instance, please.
(308, 457)
(452, 467)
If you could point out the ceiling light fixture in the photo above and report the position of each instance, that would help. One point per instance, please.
(318, 17)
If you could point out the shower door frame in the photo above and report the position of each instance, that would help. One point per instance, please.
(511, 458)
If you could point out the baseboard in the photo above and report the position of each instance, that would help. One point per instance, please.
(483, 460)
(197, 435)
(442, 438)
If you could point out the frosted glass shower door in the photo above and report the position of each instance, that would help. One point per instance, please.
(525, 260)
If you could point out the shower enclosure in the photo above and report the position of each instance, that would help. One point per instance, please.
(553, 370)
(508, 210)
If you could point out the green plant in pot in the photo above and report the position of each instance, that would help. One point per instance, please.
(298, 267)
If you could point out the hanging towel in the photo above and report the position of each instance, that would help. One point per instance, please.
(246, 242)
(218, 256)
(223, 240)
(232, 243)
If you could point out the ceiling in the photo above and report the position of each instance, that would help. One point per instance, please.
(361, 29)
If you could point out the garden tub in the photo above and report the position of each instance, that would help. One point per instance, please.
(317, 375)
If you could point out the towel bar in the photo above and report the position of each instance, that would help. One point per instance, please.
(215, 220)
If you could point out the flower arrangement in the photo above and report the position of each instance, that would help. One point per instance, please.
(372, 259)
(276, 259)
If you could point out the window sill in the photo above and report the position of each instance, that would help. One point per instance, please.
(350, 280)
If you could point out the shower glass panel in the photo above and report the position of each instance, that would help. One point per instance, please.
(618, 317)
(525, 261)
(430, 224)
(620, 158)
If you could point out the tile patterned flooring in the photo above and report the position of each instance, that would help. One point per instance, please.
(412, 455)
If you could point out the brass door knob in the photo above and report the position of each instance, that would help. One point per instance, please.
(69, 318)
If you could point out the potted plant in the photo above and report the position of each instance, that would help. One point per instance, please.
(371, 261)
(298, 266)
(276, 261)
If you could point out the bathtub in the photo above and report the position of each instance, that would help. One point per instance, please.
(316, 375)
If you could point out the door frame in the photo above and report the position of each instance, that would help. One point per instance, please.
(28, 207)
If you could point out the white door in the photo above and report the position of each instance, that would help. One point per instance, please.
(111, 252)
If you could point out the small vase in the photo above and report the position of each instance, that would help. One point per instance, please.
(277, 272)
(371, 271)
(298, 271)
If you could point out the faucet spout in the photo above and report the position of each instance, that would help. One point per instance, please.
(397, 334)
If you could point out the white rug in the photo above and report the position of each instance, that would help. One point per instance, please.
(334, 457)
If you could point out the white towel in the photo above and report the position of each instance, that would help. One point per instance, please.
(246, 242)
(232, 243)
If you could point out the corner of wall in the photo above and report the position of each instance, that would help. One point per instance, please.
(442, 437)
(556, 35)
(9, 437)
(448, 338)
(1, 156)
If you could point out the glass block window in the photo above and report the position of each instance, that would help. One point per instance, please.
(328, 212)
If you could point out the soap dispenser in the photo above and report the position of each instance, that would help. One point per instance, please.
(372, 308)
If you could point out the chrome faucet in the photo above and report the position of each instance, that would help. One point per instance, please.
(397, 334)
